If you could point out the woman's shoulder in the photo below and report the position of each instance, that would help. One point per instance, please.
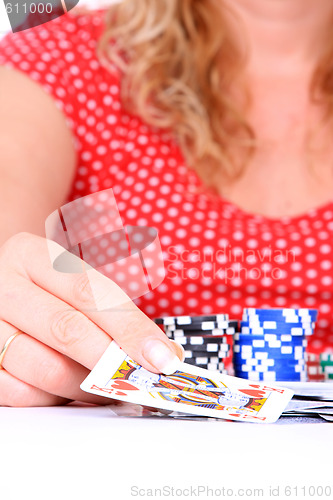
(62, 56)
(75, 32)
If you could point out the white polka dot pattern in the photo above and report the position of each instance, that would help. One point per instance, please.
(217, 258)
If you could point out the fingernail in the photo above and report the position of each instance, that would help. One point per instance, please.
(161, 357)
(179, 349)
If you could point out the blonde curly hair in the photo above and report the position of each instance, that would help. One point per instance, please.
(179, 61)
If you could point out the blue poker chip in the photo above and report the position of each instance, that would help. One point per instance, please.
(279, 317)
(247, 352)
(289, 329)
(269, 347)
(275, 324)
(285, 339)
(267, 339)
(276, 375)
(293, 332)
(268, 378)
(278, 362)
(282, 313)
(279, 365)
(286, 370)
(264, 369)
(270, 361)
(240, 365)
(270, 344)
(272, 376)
(257, 356)
(270, 314)
(296, 353)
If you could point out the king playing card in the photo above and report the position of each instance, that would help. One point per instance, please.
(189, 390)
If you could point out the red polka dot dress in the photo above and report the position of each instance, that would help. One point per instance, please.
(217, 257)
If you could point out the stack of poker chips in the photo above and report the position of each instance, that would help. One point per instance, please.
(314, 370)
(272, 344)
(207, 340)
(326, 363)
(319, 367)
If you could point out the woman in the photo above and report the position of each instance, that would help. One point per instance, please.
(211, 121)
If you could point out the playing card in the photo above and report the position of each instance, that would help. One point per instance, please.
(189, 389)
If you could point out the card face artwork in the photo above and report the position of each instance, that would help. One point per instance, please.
(189, 390)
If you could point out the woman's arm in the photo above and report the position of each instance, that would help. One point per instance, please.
(37, 155)
(63, 333)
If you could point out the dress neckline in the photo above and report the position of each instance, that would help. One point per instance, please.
(309, 214)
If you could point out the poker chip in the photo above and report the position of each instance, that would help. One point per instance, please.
(267, 339)
(326, 357)
(267, 369)
(191, 320)
(276, 323)
(277, 363)
(207, 366)
(195, 355)
(204, 360)
(207, 340)
(187, 341)
(273, 376)
(326, 365)
(253, 358)
(267, 345)
(232, 326)
(282, 314)
(273, 327)
(222, 350)
(210, 347)
(203, 326)
(221, 353)
(180, 332)
(271, 344)
(314, 370)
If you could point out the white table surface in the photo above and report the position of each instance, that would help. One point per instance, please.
(88, 452)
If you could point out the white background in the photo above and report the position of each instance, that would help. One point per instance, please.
(90, 453)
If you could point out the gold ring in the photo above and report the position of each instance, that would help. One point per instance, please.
(5, 347)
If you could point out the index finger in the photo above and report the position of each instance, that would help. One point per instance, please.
(123, 321)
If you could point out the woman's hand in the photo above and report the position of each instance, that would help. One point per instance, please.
(64, 335)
